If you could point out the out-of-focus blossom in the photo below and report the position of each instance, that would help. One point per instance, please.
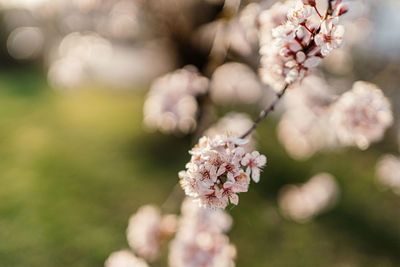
(235, 83)
(216, 172)
(361, 115)
(304, 128)
(233, 124)
(196, 219)
(147, 229)
(124, 258)
(248, 18)
(171, 104)
(297, 45)
(388, 172)
(78, 55)
(340, 62)
(25, 42)
(301, 203)
(200, 241)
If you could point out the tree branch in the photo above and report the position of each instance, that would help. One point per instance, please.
(266, 111)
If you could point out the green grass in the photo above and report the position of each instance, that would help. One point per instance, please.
(74, 166)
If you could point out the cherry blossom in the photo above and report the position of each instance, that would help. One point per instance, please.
(171, 104)
(290, 49)
(215, 173)
(299, 14)
(124, 258)
(361, 115)
(388, 172)
(254, 162)
(301, 203)
(146, 230)
(200, 240)
(330, 37)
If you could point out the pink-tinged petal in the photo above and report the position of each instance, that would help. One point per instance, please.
(261, 160)
(255, 174)
(246, 159)
(221, 170)
(312, 62)
(234, 198)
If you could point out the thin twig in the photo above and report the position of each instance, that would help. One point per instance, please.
(266, 111)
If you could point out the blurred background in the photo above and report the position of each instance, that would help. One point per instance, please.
(76, 161)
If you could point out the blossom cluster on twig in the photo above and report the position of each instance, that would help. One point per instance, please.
(316, 118)
(199, 240)
(219, 169)
(290, 49)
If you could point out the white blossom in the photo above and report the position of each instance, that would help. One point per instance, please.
(290, 48)
(171, 104)
(330, 37)
(361, 115)
(146, 231)
(303, 202)
(300, 13)
(305, 125)
(200, 240)
(254, 162)
(216, 173)
(124, 258)
(388, 172)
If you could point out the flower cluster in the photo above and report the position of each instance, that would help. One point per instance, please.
(301, 203)
(318, 119)
(388, 172)
(300, 43)
(171, 104)
(200, 239)
(146, 232)
(361, 115)
(219, 169)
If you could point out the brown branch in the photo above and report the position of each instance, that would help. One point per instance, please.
(266, 111)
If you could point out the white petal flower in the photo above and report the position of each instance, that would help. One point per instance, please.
(290, 48)
(330, 37)
(171, 104)
(143, 232)
(200, 239)
(301, 203)
(299, 14)
(214, 175)
(388, 172)
(124, 258)
(254, 162)
(361, 115)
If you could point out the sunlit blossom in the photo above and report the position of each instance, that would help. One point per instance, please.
(216, 172)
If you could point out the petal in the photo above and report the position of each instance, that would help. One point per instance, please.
(234, 198)
(255, 174)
